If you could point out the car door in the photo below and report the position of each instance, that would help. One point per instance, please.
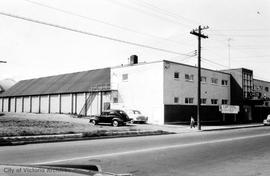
(111, 115)
(103, 116)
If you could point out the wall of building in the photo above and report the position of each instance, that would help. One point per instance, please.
(263, 87)
(59, 103)
(140, 87)
(181, 88)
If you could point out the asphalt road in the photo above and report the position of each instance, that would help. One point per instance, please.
(231, 152)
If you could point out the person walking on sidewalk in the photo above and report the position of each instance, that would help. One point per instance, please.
(192, 122)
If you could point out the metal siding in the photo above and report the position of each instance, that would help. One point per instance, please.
(35, 104)
(12, 105)
(19, 104)
(80, 102)
(6, 104)
(66, 103)
(54, 103)
(44, 104)
(26, 106)
(74, 103)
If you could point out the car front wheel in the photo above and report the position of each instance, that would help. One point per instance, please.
(93, 122)
(115, 123)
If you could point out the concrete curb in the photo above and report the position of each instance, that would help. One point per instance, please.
(21, 140)
(232, 128)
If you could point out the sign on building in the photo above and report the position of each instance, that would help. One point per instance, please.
(229, 109)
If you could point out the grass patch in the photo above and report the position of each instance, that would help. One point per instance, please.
(24, 125)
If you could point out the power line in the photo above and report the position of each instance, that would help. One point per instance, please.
(91, 34)
(100, 21)
(165, 12)
(147, 12)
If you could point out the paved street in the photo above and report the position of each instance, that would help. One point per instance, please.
(230, 152)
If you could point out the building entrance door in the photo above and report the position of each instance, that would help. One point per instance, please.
(248, 113)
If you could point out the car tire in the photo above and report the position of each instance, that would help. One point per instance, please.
(115, 123)
(93, 122)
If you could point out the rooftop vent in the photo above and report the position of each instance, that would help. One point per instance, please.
(133, 59)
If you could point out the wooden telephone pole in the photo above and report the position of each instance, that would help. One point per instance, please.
(198, 33)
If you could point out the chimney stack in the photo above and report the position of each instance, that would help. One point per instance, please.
(133, 59)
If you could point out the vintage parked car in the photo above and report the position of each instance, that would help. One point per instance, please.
(267, 120)
(136, 116)
(113, 116)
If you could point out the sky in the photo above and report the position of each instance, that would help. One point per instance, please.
(238, 35)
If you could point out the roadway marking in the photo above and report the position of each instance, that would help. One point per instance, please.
(154, 149)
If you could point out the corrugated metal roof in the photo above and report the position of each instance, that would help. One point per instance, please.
(65, 83)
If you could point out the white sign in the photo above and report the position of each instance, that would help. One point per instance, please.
(229, 109)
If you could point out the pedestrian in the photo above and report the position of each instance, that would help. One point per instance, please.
(192, 122)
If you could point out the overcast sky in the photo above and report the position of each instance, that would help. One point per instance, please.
(34, 50)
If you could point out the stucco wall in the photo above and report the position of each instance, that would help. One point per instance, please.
(143, 90)
(182, 88)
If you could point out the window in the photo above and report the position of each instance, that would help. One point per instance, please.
(214, 101)
(189, 77)
(224, 82)
(203, 79)
(124, 77)
(115, 100)
(176, 100)
(176, 75)
(224, 101)
(189, 100)
(203, 101)
(266, 103)
(214, 80)
(266, 89)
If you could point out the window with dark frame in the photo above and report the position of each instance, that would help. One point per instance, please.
(224, 82)
(214, 80)
(203, 101)
(203, 79)
(189, 100)
(214, 101)
(189, 77)
(176, 100)
(224, 101)
(176, 75)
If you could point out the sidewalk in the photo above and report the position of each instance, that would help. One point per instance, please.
(187, 129)
(149, 129)
(229, 127)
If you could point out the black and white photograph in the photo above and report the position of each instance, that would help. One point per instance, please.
(134, 87)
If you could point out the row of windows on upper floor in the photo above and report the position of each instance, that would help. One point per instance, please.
(260, 88)
(190, 77)
(190, 100)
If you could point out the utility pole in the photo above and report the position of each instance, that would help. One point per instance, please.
(198, 33)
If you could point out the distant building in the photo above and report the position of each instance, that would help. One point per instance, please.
(252, 95)
(6, 84)
(165, 91)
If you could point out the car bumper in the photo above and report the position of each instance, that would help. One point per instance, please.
(266, 122)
